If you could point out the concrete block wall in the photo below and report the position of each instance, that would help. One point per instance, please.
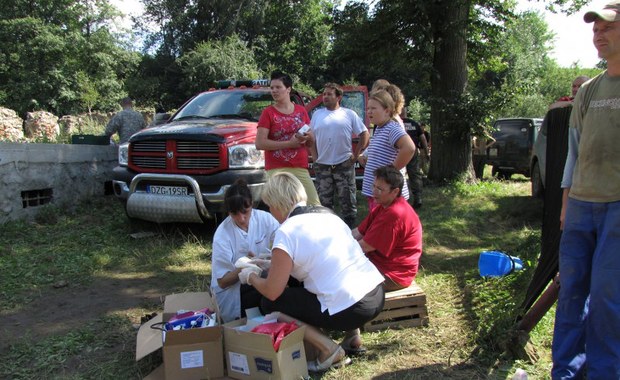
(32, 175)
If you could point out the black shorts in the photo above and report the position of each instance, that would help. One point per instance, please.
(300, 304)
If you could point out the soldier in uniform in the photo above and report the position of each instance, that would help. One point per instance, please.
(125, 123)
(416, 132)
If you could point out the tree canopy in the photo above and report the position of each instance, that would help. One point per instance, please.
(466, 61)
(61, 56)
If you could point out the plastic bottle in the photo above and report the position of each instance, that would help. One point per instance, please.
(497, 264)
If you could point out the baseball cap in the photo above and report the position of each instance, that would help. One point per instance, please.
(610, 12)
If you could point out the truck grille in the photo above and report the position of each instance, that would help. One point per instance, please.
(176, 156)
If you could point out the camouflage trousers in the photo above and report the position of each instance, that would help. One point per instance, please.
(338, 180)
(415, 179)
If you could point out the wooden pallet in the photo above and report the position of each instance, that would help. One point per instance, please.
(402, 308)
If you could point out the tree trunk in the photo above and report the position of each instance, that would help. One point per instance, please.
(451, 157)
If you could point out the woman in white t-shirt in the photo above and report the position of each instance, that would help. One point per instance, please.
(244, 232)
(341, 288)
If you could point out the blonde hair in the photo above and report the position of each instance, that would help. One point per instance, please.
(379, 84)
(385, 99)
(399, 98)
(283, 191)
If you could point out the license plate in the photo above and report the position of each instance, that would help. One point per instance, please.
(167, 190)
(493, 152)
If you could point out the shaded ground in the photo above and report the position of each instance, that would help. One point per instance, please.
(58, 311)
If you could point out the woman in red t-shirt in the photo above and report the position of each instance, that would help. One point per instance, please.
(277, 134)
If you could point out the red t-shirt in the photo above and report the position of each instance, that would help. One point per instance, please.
(396, 234)
(282, 127)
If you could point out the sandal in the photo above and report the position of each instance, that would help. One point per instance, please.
(352, 351)
(316, 366)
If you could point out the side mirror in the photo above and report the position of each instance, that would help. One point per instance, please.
(161, 118)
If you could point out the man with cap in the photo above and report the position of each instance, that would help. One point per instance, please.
(125, 123)
(587, 325)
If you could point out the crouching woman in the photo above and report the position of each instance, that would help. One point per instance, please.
(341, 288)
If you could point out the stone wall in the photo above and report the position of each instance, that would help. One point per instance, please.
(33, 175)
(42, 126)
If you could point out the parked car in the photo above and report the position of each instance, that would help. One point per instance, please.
(538, 161)
(179, 171)
(512, 150)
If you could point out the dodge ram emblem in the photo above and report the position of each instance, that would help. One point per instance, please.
(170, 155)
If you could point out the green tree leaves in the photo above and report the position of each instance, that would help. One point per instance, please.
(229, 58)
(62, 58)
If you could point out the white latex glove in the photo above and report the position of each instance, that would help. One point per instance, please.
(245, 274)
(245, 262)
(263, 264)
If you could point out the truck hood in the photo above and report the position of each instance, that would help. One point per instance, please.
(217, 130)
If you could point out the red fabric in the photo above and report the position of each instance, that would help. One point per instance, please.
(282, 128)
(396, 234)
(277, 330)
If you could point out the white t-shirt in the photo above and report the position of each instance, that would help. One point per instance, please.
(333, 131)
(231, 243)
(327, 259)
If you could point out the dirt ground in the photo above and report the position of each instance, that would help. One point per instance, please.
(58, 310)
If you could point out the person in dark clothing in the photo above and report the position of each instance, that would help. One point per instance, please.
(414, 172)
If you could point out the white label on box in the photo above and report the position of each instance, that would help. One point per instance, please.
(192, 359)
(239, 363)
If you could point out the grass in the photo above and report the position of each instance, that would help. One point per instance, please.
(71, 254)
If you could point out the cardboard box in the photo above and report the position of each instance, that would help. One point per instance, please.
(192, 354)
(252, 356)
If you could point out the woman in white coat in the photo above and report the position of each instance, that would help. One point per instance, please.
(245, 232)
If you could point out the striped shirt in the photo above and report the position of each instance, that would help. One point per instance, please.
(382, 151)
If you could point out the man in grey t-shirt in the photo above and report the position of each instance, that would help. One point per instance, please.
(587, 320)
(125, 123)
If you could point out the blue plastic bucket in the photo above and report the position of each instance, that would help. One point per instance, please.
(497, 264)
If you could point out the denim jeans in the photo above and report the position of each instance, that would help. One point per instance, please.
(587, 322)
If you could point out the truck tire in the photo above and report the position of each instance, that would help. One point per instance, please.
(538, 189)
(504, 174)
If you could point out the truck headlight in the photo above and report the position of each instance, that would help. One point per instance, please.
(245, 156)
(123, 154)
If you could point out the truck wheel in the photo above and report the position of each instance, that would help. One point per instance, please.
(503, 174)
(538, 190)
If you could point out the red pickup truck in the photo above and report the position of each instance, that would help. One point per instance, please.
(179, 171)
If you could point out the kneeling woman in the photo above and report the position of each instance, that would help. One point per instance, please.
(244, 232)
(341, 288)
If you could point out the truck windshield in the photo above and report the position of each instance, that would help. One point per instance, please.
(229, 104)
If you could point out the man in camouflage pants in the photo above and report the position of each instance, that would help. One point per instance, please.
(125, 123)
(334, 158)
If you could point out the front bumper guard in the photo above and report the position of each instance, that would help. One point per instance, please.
(171, 208)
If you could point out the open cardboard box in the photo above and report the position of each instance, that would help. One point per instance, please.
(252, 356)
(192, 354)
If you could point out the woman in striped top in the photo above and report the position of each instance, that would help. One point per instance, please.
(390, 144)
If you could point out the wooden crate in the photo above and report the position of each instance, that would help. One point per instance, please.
(402, 308)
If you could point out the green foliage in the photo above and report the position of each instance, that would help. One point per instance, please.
(294, 37)
(388, 43)
(42, 51)
(419, 111)
(229, 58)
